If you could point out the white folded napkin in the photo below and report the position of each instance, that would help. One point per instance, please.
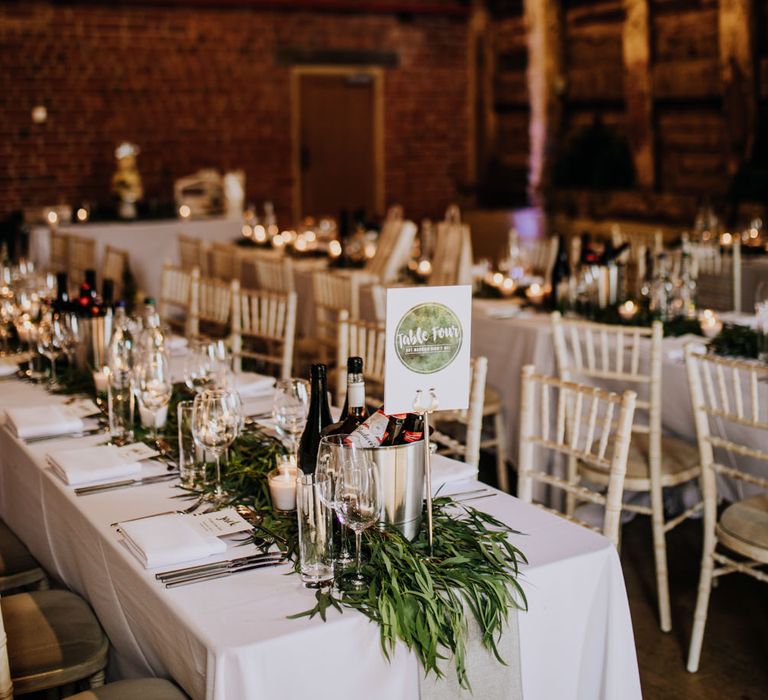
(674, 348)
(447, 471)
(39, 421)
(176, 344)
(9, 366)
(95, 463)
(169, 539)
(250, 385)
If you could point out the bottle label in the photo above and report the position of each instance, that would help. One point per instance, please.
(412, 435)
(356, 394)
(372, 432)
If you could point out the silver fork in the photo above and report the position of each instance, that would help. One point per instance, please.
(183, 511)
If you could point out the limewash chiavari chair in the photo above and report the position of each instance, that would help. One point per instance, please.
(17, 566)
(113, 267)
(225, 261)
(628, 355)
(49, 639)
(81, 256)
(274, 273)
(591, 425)
(210, 305)
(718, 276)
(729, 396)
(264, 328)
(193, 252)
(471, 419)
(176, 296)
(59, 260)
(393, 247)
(452, 258)
(361, 339)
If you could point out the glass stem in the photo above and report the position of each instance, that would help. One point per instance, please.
(53, 370)
(218, 475)
(358, 538)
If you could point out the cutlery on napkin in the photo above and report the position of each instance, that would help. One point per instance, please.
(94, 463)
(42, 421)
(128, 483)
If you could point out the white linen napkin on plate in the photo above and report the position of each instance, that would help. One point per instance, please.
(169, 539)
(39, 421)
(250, 385)
(96, 463)
(8, 366)
(447, 471)
(674, 348)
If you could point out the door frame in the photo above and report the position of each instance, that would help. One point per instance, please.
(377, 75)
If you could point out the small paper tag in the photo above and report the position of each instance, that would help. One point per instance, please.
(80, 408)
(221, 522)
(137, 452)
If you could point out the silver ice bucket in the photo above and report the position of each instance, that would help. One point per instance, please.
(401, 474)
(94, 334)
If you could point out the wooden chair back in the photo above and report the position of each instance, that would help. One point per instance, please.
(113, 267)
(587, 421)
(467, 450)
(175, 296)
(718, 276)
(225, 261)
(333, 293)
(275, 274)
(59, 261)
(210, 304)
(6, 686)
(81, 256)
(393, 248)
(452, 258)
(193, 253)
(264, 328)
(360, 339)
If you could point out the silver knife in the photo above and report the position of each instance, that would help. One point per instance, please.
(78, 434)
(221, 573)
(217, 566)
(127, 483)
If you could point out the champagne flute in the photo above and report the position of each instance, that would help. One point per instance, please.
(289, 410)
(199, 365)
(50, 344)
(153, 385)
(357, 500)
(329, 457)
(216, 421)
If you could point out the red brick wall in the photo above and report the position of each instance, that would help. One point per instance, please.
(200, 88)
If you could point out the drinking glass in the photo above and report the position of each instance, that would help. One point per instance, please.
(153, 385)
(216, 421)
(357, 500)
(200, 365)
(315, 532)
(289, 410)
(329, 457)
(191, 455)
(120, 407)
(50, 343)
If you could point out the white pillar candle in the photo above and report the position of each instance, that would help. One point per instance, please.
(146, 417)
(101, 380)
(282, 486)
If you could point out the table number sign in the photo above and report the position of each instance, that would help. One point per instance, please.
(428, 342)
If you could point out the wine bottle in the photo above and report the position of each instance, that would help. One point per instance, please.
(353, 413)
(394, 429)
(413, 429)
(62, 303)
(319, 417)
(561, 273)
(107, 292)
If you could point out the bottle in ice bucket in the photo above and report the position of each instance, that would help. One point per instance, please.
(354, 412)
(381, 430)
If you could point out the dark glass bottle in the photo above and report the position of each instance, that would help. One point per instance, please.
(394, 429)
(354, 411)
(318, 417)
(108, 292)
(62, 302)
(413, 429)
(561, 273)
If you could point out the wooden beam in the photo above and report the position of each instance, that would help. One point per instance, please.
(737, 73)
(546, 86)
(636, 53)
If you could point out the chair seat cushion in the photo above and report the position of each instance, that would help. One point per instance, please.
(141, 689)
(14, 556)
(677, 456)
(746, 522)
(50, 630)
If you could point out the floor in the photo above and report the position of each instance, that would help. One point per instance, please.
(734, 660)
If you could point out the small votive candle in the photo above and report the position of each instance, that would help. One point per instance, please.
(101, 380)
(711, 325)
(146, 417)
(628, 310)
(535, 293)
(507, 287)
(282, 486)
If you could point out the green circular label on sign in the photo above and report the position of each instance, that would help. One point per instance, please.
(428, 338)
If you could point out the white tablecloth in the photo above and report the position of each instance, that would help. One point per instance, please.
(231, 638)
(150, 244)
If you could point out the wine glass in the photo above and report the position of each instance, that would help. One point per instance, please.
(50, 343)
(329, 457)
(153, 385)
(216, 421)
(200, 365)
(357, 500)
(70, 337)
(289, 410)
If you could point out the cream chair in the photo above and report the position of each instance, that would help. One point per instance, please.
(175, 296)
(729, 398)
(333, 293)
(59, 260)
(81, 256)
(17, 566)
(274, 273)
(210, 305)
(264, 328)
(49, 639)
(114, 267)
(718, 276)
(613, 355)
(467, 450)
(360, 339)
(193, 253)
(225, 261)
(591, 425)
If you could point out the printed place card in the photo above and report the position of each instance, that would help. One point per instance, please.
(137, 452)
(428, 346)
(221, 522)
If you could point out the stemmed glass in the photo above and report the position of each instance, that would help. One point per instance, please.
(289, 410)
(153, 385)
(70, 337)
(50, 340)
(200, 365)
(216, 421)
(329, 456)
(357, 500)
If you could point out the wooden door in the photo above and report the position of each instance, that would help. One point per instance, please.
(336, 143)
